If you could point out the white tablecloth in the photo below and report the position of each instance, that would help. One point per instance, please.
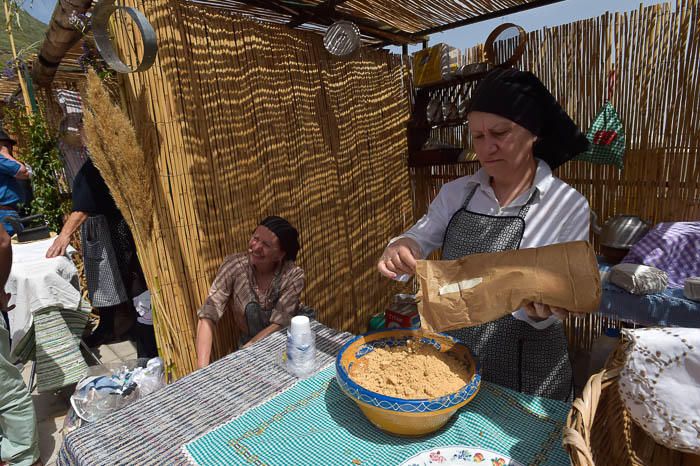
(37, 283)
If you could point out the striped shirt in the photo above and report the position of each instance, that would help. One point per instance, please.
(233, 287)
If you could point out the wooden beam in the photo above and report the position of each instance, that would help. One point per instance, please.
(328, 6)
(319, 16)
(487, 16)
(60, 37)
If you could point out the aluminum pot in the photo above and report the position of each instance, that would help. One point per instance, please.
(620, 231)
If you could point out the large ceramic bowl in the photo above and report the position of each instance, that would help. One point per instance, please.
(405, 417)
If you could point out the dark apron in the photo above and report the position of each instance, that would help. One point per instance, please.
(512, 352)
(258, 317)
(102, 272)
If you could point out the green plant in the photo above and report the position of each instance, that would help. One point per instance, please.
(39, 149)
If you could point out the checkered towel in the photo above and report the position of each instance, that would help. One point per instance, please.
(607, 137)
(672, 247)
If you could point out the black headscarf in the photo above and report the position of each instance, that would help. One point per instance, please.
(521, 97)
(286, 233)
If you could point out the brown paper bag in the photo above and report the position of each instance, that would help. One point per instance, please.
(483, 287)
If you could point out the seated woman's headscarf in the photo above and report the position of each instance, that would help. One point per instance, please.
(521, 97)
(286, 234)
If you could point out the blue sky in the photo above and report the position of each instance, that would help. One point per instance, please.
(552, 15)
(555, 14)
(40, 9)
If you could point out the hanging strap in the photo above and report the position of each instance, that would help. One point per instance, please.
(469, 197)
(523, 210)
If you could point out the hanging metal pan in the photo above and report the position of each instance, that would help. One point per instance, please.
(342, 38)
(100, 29)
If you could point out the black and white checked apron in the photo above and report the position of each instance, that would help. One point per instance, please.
(512, 352)
(102, 270)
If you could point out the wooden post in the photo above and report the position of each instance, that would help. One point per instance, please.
(18, 68)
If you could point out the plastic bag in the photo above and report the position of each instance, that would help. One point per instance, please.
(96, 396)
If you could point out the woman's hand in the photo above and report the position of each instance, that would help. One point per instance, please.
(399, 258)
(59, 246)
(539, 311)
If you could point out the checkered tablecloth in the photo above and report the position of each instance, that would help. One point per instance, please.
(314, 423)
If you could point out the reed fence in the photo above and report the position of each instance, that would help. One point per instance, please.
(251, 119)
(647, 63)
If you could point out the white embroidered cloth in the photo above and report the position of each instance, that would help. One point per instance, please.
(660, 385)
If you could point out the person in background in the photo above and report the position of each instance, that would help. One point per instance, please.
(146, 346)
(11, 170)
(19, 443)
(262, 287)
(520, 134)
(114, 276)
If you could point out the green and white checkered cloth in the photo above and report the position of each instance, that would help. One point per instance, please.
(54, 343)
(315, 423)
(607, 138)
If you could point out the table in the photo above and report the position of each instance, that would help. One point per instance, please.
(49, 314)
(668, 308)
(154, 430)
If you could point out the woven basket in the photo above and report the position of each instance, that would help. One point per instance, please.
(599, 431)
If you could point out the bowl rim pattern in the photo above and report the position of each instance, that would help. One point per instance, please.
(424, 405)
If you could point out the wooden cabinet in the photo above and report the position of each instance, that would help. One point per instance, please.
(439, 136)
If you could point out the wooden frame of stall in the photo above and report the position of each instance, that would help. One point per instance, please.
(249, 118)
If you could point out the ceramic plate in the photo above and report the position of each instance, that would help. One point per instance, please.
(458, 455)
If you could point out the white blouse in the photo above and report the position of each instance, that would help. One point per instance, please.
(558, 214)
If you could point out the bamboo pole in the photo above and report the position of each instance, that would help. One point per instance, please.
(18, 68)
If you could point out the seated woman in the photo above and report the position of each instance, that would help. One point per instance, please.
(262, 287)
(520, 134)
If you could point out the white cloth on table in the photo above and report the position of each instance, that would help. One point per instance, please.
(558, 214)
(36, 283)
(660, 385)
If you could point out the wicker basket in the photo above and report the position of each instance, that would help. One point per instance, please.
(599, 430)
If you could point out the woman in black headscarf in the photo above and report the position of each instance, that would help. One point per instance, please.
(520, 134)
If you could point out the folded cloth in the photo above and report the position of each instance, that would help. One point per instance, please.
(660, 385)
(672, 247)
(639, 279)
(691, 289)
(480, 288)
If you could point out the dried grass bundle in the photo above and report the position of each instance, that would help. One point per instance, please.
(118, 156)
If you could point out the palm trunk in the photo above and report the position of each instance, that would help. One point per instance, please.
(60, 37)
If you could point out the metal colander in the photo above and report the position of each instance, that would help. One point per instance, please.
(342, 38)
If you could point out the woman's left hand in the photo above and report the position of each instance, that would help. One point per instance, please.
(539, 311)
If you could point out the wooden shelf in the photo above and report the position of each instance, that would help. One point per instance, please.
(452, 82)
(443, 124)
(419, 129)
(428, 157)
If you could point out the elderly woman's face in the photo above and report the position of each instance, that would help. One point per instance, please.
(503, 147)
(264, 248)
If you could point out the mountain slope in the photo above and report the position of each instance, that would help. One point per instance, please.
(32, 33)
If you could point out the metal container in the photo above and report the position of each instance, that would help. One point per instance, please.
(342, 38)
(620, 231)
